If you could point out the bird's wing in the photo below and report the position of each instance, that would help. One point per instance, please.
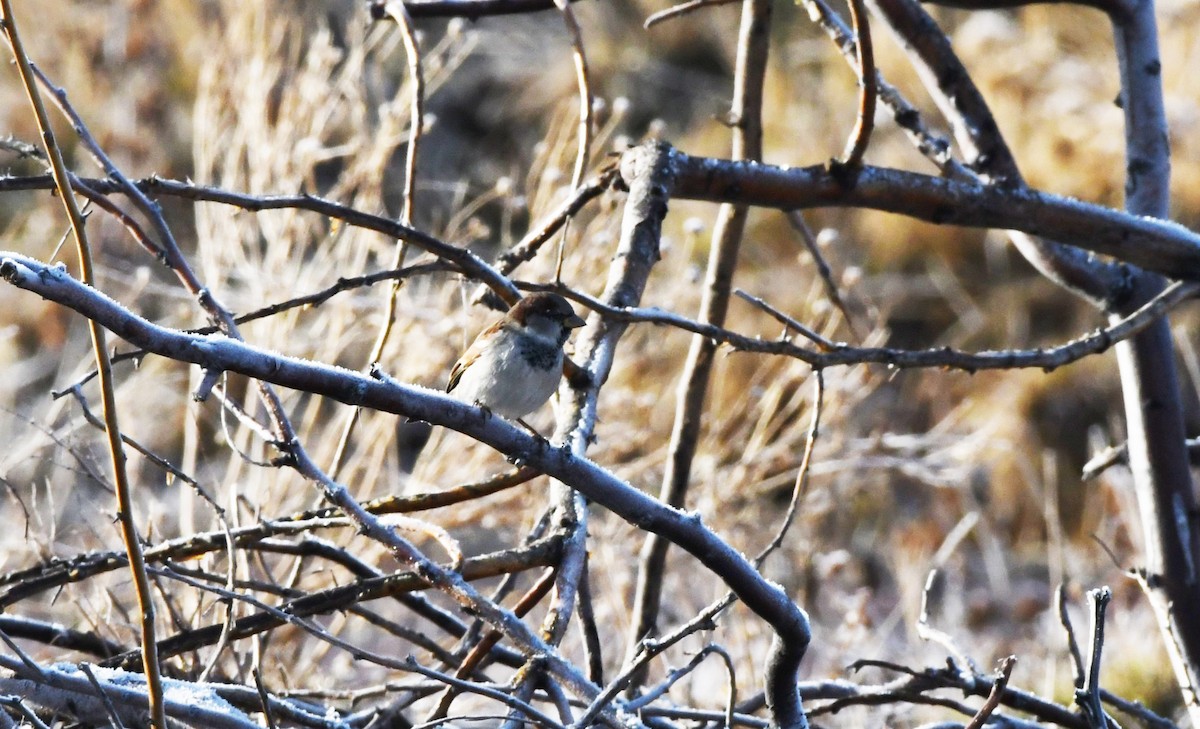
(474, 352)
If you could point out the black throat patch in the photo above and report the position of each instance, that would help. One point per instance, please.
(542, 355)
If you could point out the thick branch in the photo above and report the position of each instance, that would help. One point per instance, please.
(988, 155)
(1158, 454)
(218, 353)
(1154, 244)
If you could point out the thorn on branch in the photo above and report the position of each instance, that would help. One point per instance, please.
(207, 383)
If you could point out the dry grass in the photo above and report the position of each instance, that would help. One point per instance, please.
(265, 100)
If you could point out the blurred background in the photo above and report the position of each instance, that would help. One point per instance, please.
(977, 475)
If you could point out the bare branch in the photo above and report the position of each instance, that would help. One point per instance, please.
(1088, 695)
(746, 115)
(843, 354)
(1064, 619)
(112, 430)
(761, 596)
(1155, 244)
(856, 146)
(528, 247)
(993, 699)
(1152, 243)
(988, 154)
(680, 10)
(799, 224)
(1158, 456)
(64, 687)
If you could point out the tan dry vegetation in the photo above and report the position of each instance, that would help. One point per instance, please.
(269, 98)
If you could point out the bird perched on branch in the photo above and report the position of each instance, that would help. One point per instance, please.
(514, 365)
(511, 368)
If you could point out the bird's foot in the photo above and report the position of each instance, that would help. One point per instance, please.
(541, 439)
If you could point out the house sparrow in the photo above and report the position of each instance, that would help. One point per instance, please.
(514, 365)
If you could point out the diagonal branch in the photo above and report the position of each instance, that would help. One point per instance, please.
(220, 353)
(988, 155)
(116, 449)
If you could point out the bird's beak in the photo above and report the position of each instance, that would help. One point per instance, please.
(574, 321)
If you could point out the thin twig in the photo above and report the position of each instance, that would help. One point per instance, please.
(787, 321)
(480, 650)
(539, 234)
(125, 514)
(1119, 453)
(649, 648)
(800, 487)
(843, 354)
(1088, 696)
(860, 138)
(680, 10)
(1064, 619)
(416, 80)
(76, 391)
(468, 9)
(30, 664)
(108, 704)
(916, 685)
(266, 698)
(995, 696)
(673, 677)
(30, 715)
(927, 631)
(593, 648)
(345, 283)
(475, 688)
(800, 225)
(934, 146)
(586, 103)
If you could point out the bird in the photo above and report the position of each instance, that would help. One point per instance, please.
(514, 365)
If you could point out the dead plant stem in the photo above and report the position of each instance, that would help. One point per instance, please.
(129, 534)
